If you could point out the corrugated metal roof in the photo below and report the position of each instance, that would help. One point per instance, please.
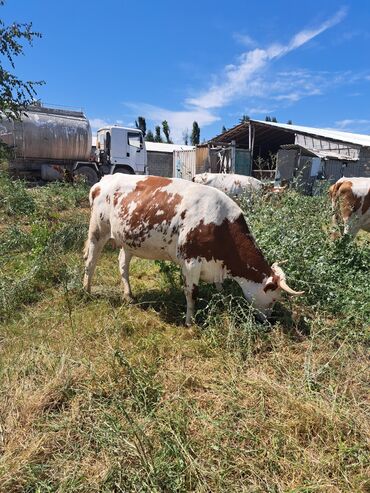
(324, 154)
(348, 137)
(160, 147)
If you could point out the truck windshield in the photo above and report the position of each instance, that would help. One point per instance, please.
(134, 139)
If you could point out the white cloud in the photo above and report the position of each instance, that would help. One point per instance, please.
(244, 39)
(359, 125)
(97, 123)
(237, 79)
(177, 120)
(260, 111)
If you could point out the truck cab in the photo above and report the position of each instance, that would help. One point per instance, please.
(121, 150)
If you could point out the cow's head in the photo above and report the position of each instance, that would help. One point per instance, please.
(263, 295)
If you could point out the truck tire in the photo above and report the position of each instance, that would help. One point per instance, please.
(88, 174)
(126, 170)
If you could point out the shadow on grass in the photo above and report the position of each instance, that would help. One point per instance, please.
(170, 305)
(296, 328)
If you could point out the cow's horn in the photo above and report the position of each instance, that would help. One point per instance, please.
(283, 285)
(280, 262)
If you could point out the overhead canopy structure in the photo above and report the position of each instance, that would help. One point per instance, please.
(264, 137)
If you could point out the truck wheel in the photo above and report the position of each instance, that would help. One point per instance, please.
(89, 175)
(124, 170)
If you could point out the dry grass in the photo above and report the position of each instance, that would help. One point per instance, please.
(99, 396)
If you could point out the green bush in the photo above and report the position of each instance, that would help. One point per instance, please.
(333, 274)
(15, 199)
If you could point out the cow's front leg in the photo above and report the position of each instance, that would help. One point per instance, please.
(124, 266)
(191, 271)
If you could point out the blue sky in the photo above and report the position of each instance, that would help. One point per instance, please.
(208, 61)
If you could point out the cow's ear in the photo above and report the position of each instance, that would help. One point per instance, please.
(271, 285)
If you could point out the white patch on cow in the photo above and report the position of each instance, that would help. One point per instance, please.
(255, 294)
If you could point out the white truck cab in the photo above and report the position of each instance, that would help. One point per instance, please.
(121, 149)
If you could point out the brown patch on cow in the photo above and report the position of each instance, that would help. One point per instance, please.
(155, 208)
(116, 197)
(107, 199)
(237, 183)
(183, 214)
(333, 190)
(366, 203)
(95, 193)
(349, 203)
(232, 244)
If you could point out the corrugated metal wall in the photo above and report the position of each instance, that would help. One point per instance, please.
(184, 164)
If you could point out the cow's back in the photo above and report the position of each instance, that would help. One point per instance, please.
(152, 216)
(231, 184)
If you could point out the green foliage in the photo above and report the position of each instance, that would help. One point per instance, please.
(244, 119)
(15, 94)
(195, 134)
(166, 131)
(158, 136)
(149, 136)
(185, 136)
(140, 123)
(14, 197)
(32, 249)
(333, 274)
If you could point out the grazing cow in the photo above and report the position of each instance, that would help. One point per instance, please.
(199, 228)
(231, 184)
(350, 199)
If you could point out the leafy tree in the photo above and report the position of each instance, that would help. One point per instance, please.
(273, 119)
(15, 94)
(140, 123)
(289, 122)
(158, 136)
(267, 118)
(185, 136)
(224, 129)
(149, 137)
(166, 131)
(244, 119)
(195, 134)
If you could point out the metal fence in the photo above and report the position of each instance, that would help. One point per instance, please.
(184, 164)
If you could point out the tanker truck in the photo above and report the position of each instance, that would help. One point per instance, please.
(50, 144)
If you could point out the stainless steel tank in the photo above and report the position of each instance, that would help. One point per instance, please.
(48, 134)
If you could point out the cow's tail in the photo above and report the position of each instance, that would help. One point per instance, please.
(334, 193)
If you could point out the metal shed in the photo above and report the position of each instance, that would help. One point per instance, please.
(341, 153)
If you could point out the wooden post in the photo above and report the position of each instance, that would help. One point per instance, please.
(233, 155)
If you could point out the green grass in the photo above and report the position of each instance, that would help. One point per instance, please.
(100, 396)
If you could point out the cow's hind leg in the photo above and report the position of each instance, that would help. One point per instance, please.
(93, 248)
(191, 270)
(124, 265)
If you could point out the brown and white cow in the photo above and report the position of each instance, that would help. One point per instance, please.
(350, 199)
(199, 228)
(231, 184)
